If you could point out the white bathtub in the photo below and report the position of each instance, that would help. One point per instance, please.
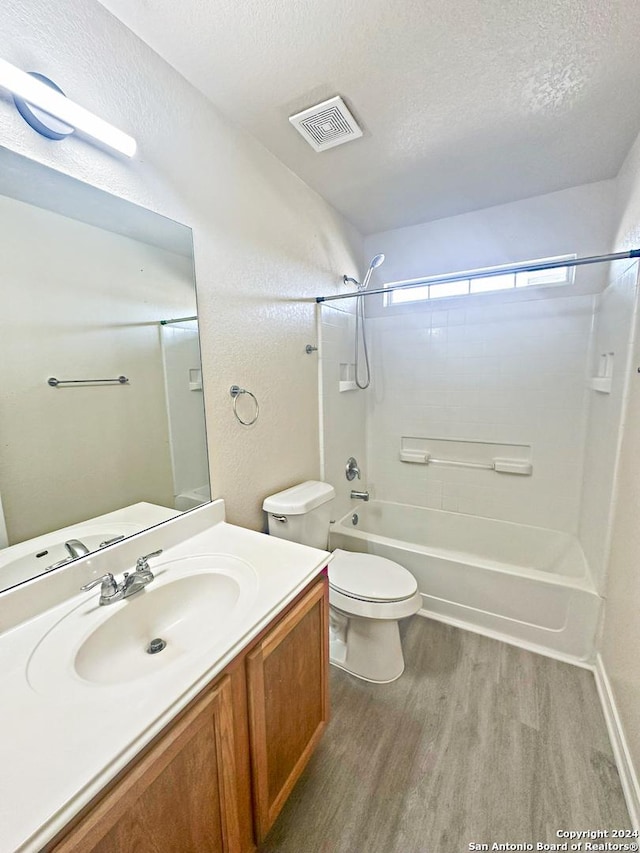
(523, 584)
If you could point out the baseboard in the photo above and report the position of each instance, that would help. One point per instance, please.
(506, 638)
(628, 777)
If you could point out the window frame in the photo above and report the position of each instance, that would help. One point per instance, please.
(428, 284)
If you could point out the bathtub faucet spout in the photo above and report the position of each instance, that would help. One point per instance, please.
(359, 496)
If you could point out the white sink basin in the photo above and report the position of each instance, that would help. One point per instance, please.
(180, 613)
(190, 605)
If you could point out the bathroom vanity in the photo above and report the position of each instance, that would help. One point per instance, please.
(112, 748)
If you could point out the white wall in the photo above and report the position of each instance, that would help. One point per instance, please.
(265, 244)
(83, 304)
(580, 220)
(621, 630)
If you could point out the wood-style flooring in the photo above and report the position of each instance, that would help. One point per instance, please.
(477, 742)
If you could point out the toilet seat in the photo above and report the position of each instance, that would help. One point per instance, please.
(357, 583)
(383, 610)
(368, 577)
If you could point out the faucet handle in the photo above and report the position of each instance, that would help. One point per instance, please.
(109, 586)
(141, 563)
(351, 469)
(108, 578)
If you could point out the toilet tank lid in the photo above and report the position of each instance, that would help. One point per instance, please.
(299, 499)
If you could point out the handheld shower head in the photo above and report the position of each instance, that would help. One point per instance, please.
(375, 262)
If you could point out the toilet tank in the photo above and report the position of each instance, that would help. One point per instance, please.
(301, 513)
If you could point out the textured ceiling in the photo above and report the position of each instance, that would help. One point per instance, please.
(464, 104)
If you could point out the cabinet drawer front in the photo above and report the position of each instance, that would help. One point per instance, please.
(288, 702)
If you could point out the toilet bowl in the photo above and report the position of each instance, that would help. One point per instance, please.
(367, 594)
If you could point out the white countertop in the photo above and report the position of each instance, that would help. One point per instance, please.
(59, 749)
(25, 560)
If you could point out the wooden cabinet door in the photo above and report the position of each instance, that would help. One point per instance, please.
(287, 681)
(180, 798)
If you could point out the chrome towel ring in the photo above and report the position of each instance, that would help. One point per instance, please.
(235, 392)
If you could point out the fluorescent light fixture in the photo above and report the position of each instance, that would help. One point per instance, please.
(39, 95)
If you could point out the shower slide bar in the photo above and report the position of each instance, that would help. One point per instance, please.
(487, 273)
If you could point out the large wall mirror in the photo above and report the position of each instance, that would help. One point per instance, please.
(93, 288)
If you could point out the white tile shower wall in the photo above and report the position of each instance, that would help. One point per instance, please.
(181, 359)
(343, 414)
(484, 371)
(614, 322)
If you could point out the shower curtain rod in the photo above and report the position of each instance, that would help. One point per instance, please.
(486, 273)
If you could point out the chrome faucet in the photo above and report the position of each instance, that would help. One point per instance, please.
(111, 591)
(351, 469)
(359, 496)
(76, 548)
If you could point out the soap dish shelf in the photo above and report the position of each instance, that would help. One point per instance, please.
(601, 384)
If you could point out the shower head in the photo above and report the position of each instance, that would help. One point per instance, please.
(375, 262)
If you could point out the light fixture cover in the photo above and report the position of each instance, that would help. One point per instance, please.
(327, 124)
(43, 123)
(36, 93)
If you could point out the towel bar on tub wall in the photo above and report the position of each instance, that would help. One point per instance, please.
(235, 392)
(502, 466)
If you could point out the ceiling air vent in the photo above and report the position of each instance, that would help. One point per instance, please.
(327, 124)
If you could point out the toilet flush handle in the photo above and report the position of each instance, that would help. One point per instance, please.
(281, 518)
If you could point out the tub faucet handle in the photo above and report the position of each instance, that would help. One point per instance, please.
(351, 469)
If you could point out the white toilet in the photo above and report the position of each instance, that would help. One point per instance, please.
(367, 594)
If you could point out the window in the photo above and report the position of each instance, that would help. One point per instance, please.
(485, 284)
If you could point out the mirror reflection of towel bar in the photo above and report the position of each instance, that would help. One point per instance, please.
(55, 383)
